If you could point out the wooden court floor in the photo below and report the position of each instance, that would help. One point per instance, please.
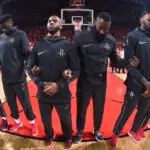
(12, 142)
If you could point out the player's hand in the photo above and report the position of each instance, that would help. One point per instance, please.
(134, 61)
(67, 74)
(36, 70)
(50, 88)
(146, 94)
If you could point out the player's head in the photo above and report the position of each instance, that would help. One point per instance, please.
(53, 24)
(6, 23)
(103, 23)
(145, 20)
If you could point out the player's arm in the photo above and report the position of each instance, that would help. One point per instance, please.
(24, 47)
(73, 64)
(132, 67)
(113, 55)
(130, 60)
(32, 62)
(78, 45)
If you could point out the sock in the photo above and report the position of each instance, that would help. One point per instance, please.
(17, 121)
(4, 118)
(32, 122)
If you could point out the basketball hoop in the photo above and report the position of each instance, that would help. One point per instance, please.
(68, 16)
(77, 25)
(77, 21)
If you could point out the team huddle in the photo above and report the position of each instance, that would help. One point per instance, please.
(55, 61)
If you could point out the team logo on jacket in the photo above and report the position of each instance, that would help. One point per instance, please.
(107, 46)
(12, 40)
(131, 94)
(61, 53)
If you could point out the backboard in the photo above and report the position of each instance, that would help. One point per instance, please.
(69, 15)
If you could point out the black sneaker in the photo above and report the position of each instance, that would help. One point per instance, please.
(98, 136)
(78, 137)
(4, 125)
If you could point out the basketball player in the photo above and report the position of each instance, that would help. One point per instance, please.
(4, 124)
(137, 82)
(94, 47)
(13, 52)
(54, 55)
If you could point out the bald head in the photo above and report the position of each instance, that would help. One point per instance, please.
(53, 24)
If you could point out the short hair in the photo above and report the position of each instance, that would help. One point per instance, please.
(144, 13)
(104, 15)
(4, 18)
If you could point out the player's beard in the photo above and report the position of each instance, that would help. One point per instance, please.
(100, 37)
(147, 29)
(54, 30)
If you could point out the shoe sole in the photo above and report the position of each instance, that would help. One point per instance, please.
(49, 146)
(99, 140)
(4, 129)
(35, 134)
(78, 141)
(20, 126)
(133, 138)
(68, 147)
(110, 146)
(141, 137)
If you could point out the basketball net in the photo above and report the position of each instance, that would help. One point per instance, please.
(77, 25)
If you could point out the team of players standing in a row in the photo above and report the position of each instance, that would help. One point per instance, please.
(54, 60)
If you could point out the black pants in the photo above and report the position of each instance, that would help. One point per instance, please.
(20, 90)
(85, 91)
(2, 111)
(131, 100)
(146, 119)
(64, 112)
